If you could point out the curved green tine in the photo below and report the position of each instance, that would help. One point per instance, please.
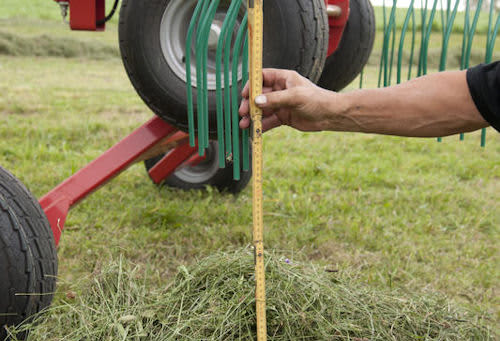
(391, 31)
(428, 35)
(202, 47)
(402, 40)
(227, 81)
(234, 97)
(413, 34)
(384, 61)
(392, 51)
(446, 39)
(423, 17)
(470, 39)
(427, 28)
(189, 89)
(472, 32)
(443, 24)
(448, 9)
(384, 48)
(465, 34)
(464, 43)
(206, 33)
(199, 79)
(218, 80)
(490, 18)
(244, 135)
(491, 46)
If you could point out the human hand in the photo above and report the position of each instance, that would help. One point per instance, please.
(288, 99)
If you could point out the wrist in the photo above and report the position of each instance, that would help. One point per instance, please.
(337, 112)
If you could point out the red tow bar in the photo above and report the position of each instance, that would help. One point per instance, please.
(153, 138)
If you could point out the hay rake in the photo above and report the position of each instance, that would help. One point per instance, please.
(392, 54)
(189, 120)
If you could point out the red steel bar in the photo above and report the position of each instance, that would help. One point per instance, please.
(61, 199)
(171, 161)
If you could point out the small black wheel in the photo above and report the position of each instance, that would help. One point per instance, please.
(28, 259)
(152, 44)
(355, 47)
(206, 173)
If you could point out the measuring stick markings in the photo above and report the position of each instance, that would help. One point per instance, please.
(255, 31)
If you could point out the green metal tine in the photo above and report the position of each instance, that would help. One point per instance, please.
(423, 17)
(465, 34)
(446, 38)
(234, 99)
(244, 135)
(232, 15)
(212, 11)
(402, 40)
(470, 38)
(472, 32)
(189, 88)
(392, 49)
(203, 46)
(384, 47)
(199, 79)
(384, 60)
(413, 34)
(218, 78)
(464, 43)
(428, 35)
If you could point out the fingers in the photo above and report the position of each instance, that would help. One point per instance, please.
(275, 79)
(268, 122)
(278, 99)
(245, 104)
(271, 100)
(245, 122)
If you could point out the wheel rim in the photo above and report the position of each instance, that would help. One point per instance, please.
(205, 170)
(173, 31)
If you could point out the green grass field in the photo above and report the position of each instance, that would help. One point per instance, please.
(407, 214)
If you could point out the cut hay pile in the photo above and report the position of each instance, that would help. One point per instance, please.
(214, 300)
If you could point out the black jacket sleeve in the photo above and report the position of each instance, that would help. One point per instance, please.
(484, 86)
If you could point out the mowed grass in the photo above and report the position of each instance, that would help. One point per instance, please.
(407, 214)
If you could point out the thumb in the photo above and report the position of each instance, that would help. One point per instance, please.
(276, 99)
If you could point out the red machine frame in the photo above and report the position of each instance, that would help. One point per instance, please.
(151, 139)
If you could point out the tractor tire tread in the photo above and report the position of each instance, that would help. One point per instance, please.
(38, 233)
(16, 279)
(354, 50)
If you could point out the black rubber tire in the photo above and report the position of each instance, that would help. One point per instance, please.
(296, 37)
(355, 47)
(41, 257)
(222, 179)
(17, 271)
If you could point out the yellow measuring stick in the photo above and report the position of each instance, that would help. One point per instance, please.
(255, 32)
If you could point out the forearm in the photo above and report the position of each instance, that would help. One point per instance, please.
(430, 106)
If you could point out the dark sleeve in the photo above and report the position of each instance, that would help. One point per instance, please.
(484, 87)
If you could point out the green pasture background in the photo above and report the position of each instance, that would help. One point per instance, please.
(411, 214)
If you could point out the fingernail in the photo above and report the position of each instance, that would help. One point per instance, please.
(260, 100)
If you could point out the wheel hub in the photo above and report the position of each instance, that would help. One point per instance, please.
(173, 31)
(213, 38)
